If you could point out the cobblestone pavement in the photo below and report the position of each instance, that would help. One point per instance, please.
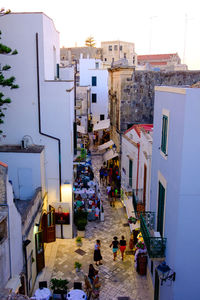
(118, 278)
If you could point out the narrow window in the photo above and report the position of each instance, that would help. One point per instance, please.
(94, 81)
(164, 134)
(130, 172)
(120, 48)
(110, 47)
(94, 98)
(97, 65)
(115, 47)
(101, 117)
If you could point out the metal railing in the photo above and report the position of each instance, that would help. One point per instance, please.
(155, 245)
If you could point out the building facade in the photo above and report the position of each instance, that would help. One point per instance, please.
(117, 50)
(136, 167)
(167, 62)
(69, 55)
(131, 96)
(92, 74)
(42, 108)
(175, 191)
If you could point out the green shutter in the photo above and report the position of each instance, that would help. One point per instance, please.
(161, 206)
(130, 172)
(164, 134)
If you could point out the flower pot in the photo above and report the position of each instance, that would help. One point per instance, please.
(81, 233)
(79, 244)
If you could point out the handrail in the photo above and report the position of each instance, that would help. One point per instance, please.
(155, 245)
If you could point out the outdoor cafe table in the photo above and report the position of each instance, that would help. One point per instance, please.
(84, 191)
(43, 294)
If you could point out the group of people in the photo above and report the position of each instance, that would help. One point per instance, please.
(110, 174)
(92, 281)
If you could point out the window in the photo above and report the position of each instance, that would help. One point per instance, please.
(124, 55)
(120, 48)
(94, 98)
(110, 47)
(130, 172)
(97, 65)
(115, 47)
(105, 59)
(101, 117)
(161, 205)
(94, 81)
(164, 134)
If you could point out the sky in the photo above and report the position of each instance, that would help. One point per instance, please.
(154, 26)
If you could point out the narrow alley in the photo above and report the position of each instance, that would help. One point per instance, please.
(118, 278)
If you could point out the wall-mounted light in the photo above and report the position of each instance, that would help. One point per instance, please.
(66, 191)
(165, 273)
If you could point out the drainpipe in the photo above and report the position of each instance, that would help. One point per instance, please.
(39, 113)
(138, 145)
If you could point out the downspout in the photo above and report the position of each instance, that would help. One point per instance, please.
(138, 145)
(39, 113)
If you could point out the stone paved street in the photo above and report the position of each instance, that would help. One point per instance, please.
(118, 278)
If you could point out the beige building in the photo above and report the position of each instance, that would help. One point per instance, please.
(68, 55)
(118, 50)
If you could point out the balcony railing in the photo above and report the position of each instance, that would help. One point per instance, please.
(155, 245)
(138, 202)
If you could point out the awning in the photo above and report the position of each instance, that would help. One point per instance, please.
(109, 154)
(102, 125)
(81, 129)
(105, 145)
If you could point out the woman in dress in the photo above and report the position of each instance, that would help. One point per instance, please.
(97, 253)
(96, 286)
(115, 245)
(122, 246)
(91, 273)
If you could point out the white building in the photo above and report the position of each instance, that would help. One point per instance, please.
(175, 191)
(42, 108)
(92, 74)
(136, 167)
(11, 257)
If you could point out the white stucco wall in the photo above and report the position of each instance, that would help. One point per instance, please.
(87, 70)
(57, 113)
(16, 161)
(180, 171)
(15, 234)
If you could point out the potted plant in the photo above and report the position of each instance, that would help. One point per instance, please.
(80, 220)
(77, 266)
(79, 241)
(132, 220)
(59, 287)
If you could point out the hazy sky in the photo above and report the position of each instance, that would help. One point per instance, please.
(155, 26)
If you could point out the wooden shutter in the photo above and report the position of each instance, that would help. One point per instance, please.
(164, 134)
(130, 172)
(160, 212)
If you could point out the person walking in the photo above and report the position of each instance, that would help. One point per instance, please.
(91, 273)
(112, 192)
(101, 174)
(115, 246)
(96, 286)
(97, 253)
(122, 248)
(97, 213)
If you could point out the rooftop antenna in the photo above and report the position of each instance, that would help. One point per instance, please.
(185, 36)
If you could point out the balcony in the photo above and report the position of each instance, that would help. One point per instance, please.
(138, 203)
(155, 244)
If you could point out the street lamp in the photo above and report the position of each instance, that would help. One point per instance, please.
(165, 272)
